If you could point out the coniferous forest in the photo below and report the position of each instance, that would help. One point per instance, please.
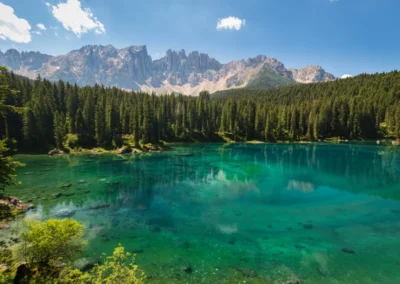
(42, 114)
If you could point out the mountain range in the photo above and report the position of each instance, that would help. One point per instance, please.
(133, 68)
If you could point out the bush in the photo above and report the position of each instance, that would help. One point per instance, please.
(49, 247)
(70, 141)
(118, 268)
(51, 242)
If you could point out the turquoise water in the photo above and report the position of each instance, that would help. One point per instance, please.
(237, 213)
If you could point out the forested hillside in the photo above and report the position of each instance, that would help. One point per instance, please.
(46, 113)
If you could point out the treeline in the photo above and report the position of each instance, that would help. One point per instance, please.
(44, 113)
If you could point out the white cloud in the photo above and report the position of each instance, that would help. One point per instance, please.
(41, 27)
(75, 19)
(333, 1)
(37, 32)
(12, 27)
(346, 76)
(230, 23)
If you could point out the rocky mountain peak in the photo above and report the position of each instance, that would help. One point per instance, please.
(177, 71)
(311, 74)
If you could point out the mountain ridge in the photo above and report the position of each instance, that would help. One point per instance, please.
(133, 68)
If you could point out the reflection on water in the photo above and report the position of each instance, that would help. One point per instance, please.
(233, 212)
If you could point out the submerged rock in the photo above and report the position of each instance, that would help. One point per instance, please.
(66, 185)
(99, 206)
(323, 271)
(247, 273)
(84, 263)
(347, 250)
(308, 226)
(187, 269)
(65, 213)
(136, 251)
(57, 195)
(185, 155)
(113, 183)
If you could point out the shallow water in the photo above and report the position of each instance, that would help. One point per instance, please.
(234, 213)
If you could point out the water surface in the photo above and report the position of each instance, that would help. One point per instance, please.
(234, 213)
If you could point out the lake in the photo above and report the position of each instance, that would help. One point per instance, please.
(232, 213)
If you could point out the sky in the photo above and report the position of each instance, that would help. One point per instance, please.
(342, 36)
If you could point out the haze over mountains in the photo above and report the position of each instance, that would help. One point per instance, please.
(177, 71)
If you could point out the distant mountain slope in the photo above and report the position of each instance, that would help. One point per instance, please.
(133, 68)
(268, 78)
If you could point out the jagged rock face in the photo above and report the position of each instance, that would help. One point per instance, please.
(179, 69)
(133, 68)
(105, 65)
(312, 74)
(30, 60)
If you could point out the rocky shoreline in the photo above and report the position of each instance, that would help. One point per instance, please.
(11, 206)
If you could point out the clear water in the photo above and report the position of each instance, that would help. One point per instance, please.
(234, 213)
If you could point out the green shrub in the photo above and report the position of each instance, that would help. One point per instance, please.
(118, 268)
(51, 242)
(70, 141)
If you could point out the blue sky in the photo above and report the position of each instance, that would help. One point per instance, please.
(343, 36)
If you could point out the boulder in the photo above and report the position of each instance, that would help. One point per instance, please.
(124, 150)
(11, 205)
(65, 213)
(187, 269)
(56, 152)
(99, 205)
(4, 226)
(23, 273)
(57, 195)
(3, 268)
(396, 142)
(348, 251)
(84, 263)
(66, 185)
